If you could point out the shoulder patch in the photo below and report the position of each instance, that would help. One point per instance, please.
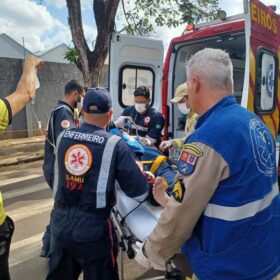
(65, 124)
(179, 190)
(192, 149)
(158, 126)
(78, 159)
(147, 120)
(188, 158)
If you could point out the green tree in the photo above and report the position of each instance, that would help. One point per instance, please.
(142, 16)
(71, 55)
(146, 14)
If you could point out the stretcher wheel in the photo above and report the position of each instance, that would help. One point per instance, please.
(130, 251)
(130, 254)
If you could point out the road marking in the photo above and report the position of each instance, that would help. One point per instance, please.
(27, 241)
(24, 190)
(31, 210)
(19, 179)
(25, 254)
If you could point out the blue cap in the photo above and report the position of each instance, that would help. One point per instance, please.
(97, 101)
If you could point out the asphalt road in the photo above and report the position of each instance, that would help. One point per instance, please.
(28, 201)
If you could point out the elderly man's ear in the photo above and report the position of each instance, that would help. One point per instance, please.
(195, 83)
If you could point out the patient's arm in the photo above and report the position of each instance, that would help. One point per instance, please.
(26, 86)
(159, 191)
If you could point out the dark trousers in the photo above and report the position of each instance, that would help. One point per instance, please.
(81, 242)
(47, 239)
(67, 267)
(6, 233)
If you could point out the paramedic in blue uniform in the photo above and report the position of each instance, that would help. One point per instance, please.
(61, 117)
(148, 121)
(89, 160)
(225, 207)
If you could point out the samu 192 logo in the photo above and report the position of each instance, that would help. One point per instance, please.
(78, 159)
(263, 147)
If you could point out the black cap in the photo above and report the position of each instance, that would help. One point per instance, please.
(97, 101)
(142, 91)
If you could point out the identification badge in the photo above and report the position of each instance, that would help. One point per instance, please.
(188, 159)
(179, 190)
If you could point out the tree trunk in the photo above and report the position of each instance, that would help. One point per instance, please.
(92, 61)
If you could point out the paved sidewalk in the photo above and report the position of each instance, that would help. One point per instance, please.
(15, 151)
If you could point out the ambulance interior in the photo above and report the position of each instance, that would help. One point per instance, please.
(234, 44)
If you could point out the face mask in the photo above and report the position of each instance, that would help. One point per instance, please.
(183, 108)
(140, 108)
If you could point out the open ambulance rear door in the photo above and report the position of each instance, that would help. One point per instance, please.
(261, 92)
(134, 62)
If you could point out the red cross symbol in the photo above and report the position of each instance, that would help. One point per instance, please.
(77, 159)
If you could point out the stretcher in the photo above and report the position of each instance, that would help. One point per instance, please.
(135, 215)
(133, 222)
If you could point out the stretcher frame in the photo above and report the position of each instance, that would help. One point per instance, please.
(127, 245)
(127, 241)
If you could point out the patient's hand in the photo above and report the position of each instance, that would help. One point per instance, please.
(159, 191)
(150, 177)
(27, 82)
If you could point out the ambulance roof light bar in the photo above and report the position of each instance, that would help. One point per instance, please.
(273, 7)
(190, 27)
(222, 15)
(219, 21)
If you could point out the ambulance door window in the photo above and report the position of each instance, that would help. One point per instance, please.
(132, 77)
(266, 82)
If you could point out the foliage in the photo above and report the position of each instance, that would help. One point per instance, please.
(72, 56)
(146, 14)
(142, 16)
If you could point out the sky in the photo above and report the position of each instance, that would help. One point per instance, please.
(44, 26)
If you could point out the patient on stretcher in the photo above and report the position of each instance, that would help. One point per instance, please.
(140, 218)
(151, 158)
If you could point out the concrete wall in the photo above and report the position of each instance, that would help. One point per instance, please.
(52, 77)
(10, 72)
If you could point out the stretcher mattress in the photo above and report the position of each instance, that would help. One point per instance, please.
(142, 220)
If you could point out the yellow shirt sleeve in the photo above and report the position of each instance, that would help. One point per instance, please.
(2, 211)
(5, 120)
(5, 114)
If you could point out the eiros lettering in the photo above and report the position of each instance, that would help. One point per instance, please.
(84, 136)
(263, 18)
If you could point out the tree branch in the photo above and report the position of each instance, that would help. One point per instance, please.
(105, 13)
(125, 15)
(75, 22)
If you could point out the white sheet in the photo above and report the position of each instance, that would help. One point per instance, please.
(141, 221)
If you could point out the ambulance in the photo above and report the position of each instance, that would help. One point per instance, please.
(252, 40)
